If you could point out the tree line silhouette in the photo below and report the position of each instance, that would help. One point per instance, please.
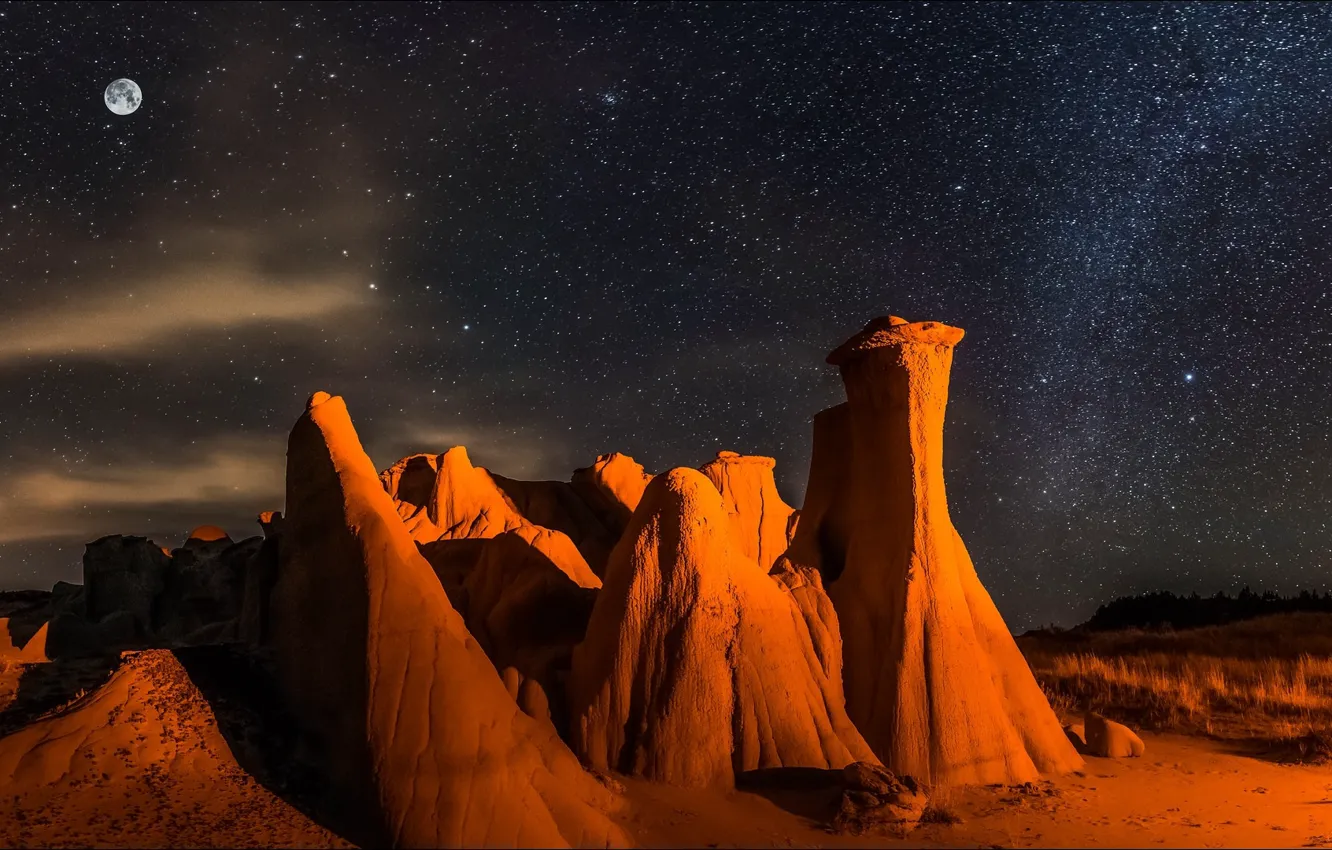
(1163, 609)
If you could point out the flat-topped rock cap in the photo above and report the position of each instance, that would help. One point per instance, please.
(736, 457)
(894, 330)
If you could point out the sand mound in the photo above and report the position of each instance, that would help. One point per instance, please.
(933, 677)
(697, 665)
(140, 761)
(750, 495)
(380, 667)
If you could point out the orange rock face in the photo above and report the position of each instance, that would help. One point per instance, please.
(413, 716)
(444, 497)
(697, 665)
(932, 675)
(207, 534)
(614, 485)
(750, 495)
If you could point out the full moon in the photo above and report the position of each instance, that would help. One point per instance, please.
(123, 96)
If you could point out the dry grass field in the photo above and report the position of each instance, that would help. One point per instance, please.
(1267, 679)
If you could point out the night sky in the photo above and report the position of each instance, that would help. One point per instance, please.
(548, 232)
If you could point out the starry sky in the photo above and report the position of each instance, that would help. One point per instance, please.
(552, 231)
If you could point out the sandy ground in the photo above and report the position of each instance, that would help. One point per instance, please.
(1186, 792)
(166, 777)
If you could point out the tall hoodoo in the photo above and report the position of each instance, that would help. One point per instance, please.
(933, 677)
(415, 720)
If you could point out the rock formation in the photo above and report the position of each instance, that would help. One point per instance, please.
(260, 576)
(528, 600)
(20, 645)
(124, 574)
(805, 584)
(822, 525)
(558, 506)
(1108, 739)
(873, 799)
(207, 534)
(750, 495)
(445, 497)
(613, 485)
(697, 665)
(932, 675)
(381, 669)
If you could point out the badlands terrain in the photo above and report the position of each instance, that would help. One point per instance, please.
(436, 655)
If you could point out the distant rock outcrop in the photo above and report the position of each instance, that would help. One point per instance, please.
(697, 665)
(380, 667)
(445, 497)
(932, 675)
(613, 486)
(756, 509)
(124, 574)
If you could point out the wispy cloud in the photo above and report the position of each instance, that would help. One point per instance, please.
(235, 476)
(171, 307)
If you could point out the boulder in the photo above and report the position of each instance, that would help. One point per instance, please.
(124, 574)
(932, 675)
(1108, 739)
(1077, 736)
(416, 723)
(698, 666)
(756, 509)
(874, 800)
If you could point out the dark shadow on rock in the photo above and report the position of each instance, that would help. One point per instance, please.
(417, 483)
(242, 689)
(453, 561)
(27, 610)
(812, 793)
(47, 686)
